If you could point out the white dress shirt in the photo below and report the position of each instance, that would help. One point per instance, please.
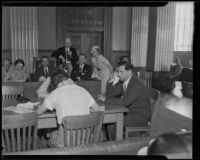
(125, 84)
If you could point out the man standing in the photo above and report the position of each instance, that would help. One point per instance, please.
(44, 71)
(134, 97)
(84, 71)
(66, 54)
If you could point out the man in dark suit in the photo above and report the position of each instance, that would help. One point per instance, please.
(134, 96)
(44, 71)
(66, 54)
(83, 71)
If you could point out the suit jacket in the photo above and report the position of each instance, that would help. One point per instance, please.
(135, 98)
(114, 91)
(61, 51)
(40, 72)
(84, 75)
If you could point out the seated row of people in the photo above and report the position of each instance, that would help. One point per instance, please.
(15, 73)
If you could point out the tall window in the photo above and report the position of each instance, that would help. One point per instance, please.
(183, 37)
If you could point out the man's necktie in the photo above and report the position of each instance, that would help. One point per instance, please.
(45, 72)
(124, 86)
(81, 68)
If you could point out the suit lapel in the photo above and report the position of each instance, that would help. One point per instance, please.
(130, 83)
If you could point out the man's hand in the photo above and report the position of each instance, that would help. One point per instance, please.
(41, 79)
(69, 53)
(101, 97)
(62, 58)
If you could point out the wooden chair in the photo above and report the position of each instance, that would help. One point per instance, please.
(148, 79)
(11, 92)
(187, 89)
(19, 132)
(154, 96)
(84, 129)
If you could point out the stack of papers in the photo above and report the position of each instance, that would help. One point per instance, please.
(22, 108)
(19, 110)
(27, 105)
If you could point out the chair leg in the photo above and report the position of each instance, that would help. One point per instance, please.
(126, 134)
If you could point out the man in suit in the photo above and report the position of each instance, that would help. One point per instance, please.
(134, 96)
(66, 54)
(83, 71)
(44, 71)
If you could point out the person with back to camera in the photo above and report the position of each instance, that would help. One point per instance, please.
(64, 100)
(170, 145)
(66, 54)
(104, 66)
(44, 71)
(17, 73)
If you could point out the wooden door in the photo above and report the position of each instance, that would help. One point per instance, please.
(87, 26)
(83, 41)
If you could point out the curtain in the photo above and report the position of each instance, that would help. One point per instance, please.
(184, 26)
(24, 35)
(139, 38)
(165, 37)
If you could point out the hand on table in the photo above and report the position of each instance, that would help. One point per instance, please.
(101, 97)
(42, 78)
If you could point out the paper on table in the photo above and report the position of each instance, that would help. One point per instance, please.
(27, 105)
(22, 110)
(11, 108)
(19, 110)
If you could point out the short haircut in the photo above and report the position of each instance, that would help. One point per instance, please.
(170, 143)
(121, 59)
(45, 57)
(58, 77)
(128, 65)
(82, 54)
(19, 61)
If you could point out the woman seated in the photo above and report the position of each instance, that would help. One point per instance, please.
(7, 64)
(17, 73)
(64, 100)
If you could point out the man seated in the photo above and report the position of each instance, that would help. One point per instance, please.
(64, 100)
(134, 96)
(83, 71)
(44, 71)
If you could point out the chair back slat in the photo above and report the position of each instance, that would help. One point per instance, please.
(12, 92)
(19, 132)
(154, 95)
(18, 140)
(86, 129)
(148, 79)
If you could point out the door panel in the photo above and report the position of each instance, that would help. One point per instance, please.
(83, 41)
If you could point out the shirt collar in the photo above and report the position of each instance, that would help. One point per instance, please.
(126, 82)
(69, 81)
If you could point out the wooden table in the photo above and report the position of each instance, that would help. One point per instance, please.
(113, 114)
